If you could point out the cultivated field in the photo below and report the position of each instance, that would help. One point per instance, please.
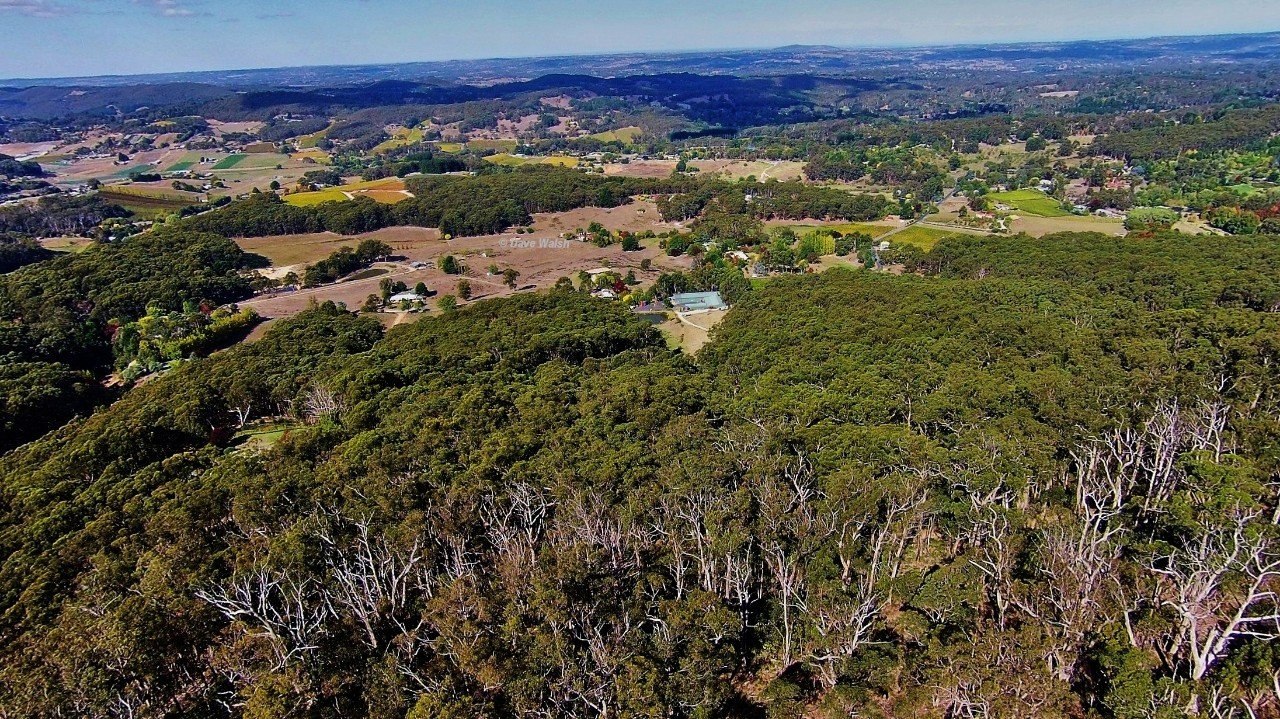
(488, 144)
(148, 202)
(1041, 226)
(229, 162)
(641, 168)
(923, 236)
(388, 190)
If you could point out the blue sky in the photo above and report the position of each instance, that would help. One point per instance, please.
(44, 38)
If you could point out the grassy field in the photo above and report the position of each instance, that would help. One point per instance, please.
(309, 141)
(510, 160)
(844, 229)
(319, 197)
(186, 162)
(229, 162)
(1032, 202)
(402, 137)
(256, 161)
(128, 171)
(66, 244)
(623, 134)
(388, 191)
(1040, 226)
(500, 145)
(450, 146)
(147, 202)
(319, 156)
(365, 274)
(261, 437)
(921, 236)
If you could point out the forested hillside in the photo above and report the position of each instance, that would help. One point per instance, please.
(59, 318)
(1037, 480)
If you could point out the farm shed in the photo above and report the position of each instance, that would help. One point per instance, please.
(694, 301)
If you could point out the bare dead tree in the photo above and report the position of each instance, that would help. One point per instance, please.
(319, 403)
(376, 579)
(844, 622)
(996, 561)
(289, 613)
(243, 412)
(1222, 586)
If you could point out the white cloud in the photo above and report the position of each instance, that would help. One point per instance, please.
(34, 8)
(169, 8)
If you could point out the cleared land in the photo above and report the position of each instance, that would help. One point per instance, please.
(641, 168)
(308, 141)
(760, 169)
(875, 229)
(1040, 226)
(1032, 202)
(400, 137)
(484, 144)
(295, 251)
(923, 236)
(148, 202)
(229, 162)
(389, 190)
(625, 135)
(186, 162)
(541, 258)
(690, 332)
(510, 160)
(317, 156)
(66, 244)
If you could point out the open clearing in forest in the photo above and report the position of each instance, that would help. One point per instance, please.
(66, 244)
(309, 141)
(541, 258)
(690, 331)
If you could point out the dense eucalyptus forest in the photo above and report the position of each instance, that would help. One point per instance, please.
(1037, 477)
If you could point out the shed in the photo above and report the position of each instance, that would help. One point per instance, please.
(694, 301)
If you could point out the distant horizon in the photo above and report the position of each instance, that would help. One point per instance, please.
(638, 52)
(57, 39)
